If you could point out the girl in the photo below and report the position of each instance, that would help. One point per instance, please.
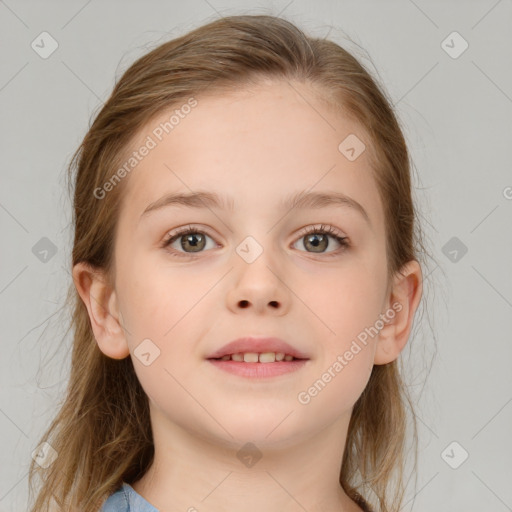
(246, 275)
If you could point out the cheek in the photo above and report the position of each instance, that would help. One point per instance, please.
(345, 301)
(333, 392)
(347, 310)
(156, 298)
(171, 308)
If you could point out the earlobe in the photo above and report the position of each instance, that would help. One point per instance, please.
(101, 303)
(403, 302)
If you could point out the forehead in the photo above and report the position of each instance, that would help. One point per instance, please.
(254, 145)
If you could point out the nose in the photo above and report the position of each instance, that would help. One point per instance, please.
(244, 303)
(259, 287)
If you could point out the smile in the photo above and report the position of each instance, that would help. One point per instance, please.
(258, 365)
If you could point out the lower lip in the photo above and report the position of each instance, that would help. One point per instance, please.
(259, 370)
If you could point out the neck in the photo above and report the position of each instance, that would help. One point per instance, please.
(192, 473)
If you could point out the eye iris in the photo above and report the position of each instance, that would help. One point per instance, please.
(313, 239)
(317, 241)
(192, 239)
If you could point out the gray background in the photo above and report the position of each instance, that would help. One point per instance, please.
(457, 118)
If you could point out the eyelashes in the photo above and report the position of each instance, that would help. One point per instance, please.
(311, 233)
(330, 231)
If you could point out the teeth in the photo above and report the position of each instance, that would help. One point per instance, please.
(253, 357)
(267, 357)
(250, 357)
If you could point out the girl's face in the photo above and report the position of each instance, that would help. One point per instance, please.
(251, 269)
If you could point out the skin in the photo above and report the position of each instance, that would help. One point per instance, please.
(257, 145)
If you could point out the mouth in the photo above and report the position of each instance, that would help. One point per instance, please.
(252, 369)
(258, 357)
(258, 349)
(255, 357)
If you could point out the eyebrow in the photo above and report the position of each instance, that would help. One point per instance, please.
(300, 200)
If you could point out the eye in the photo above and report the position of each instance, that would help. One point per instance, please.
(318, 239)
(191, 240)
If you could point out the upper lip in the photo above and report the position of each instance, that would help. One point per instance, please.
(258, 345)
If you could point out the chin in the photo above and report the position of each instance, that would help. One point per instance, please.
(271, 429)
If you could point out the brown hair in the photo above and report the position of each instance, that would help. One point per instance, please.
(102, 432)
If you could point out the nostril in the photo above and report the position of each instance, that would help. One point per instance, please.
(243, 303)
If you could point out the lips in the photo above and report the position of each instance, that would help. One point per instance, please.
(258, 345)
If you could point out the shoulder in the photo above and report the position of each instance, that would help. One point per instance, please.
(117, 502)
(126, 499)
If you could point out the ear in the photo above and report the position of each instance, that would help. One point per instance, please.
(404, 299)
(101, 302)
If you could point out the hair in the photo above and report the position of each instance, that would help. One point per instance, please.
(102, 431)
